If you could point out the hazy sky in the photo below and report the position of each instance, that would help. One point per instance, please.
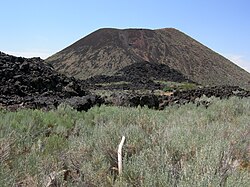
(41, 28)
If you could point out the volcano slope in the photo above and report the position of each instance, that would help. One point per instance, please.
(107, 51)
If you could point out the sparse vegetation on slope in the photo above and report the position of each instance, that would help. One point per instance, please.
(106, 51)
(179, 146)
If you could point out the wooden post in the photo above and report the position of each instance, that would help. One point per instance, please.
(120, 155)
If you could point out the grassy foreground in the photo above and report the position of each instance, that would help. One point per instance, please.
(180, 146)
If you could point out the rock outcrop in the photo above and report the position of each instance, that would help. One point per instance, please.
(31, 83)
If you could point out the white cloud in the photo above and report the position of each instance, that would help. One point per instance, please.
(29, 54)
(240, 61)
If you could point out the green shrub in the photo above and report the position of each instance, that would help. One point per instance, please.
(179, 146)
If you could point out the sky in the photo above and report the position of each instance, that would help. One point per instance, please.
(43, 27)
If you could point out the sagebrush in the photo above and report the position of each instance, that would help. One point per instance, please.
(179, 146)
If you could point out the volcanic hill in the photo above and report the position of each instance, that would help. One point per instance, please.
(107, 51)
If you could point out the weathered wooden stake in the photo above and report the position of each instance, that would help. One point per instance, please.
(120, 155)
